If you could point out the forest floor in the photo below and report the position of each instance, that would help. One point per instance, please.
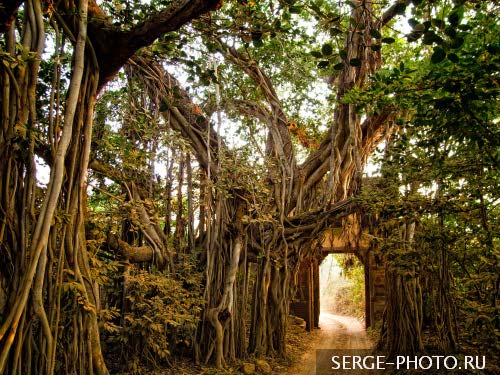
(336, 332)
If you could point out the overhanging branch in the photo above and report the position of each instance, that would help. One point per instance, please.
(114, 46)
(181, 112)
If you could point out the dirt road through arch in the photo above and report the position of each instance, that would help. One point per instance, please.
(336, 332)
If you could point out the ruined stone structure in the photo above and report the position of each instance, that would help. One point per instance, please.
(306, 302)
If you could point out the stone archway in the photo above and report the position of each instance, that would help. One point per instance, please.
(306, 302)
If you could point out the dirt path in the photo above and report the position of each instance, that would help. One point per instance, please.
(336, 332)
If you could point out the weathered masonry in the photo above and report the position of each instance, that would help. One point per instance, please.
(306, 303)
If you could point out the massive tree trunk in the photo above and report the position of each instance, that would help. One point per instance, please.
(43, 235)
(85, 334)
(47, 253)
(340, 157)
(292, 188)
(402, 323)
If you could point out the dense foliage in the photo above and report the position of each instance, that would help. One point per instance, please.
(440, 173)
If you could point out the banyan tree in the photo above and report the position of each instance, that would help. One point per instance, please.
(248, 221)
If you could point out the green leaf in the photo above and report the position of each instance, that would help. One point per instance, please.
(316, 54)
(436, 22)
(375, 47)
(258, 43)
(177, 92)
(316, 8)
(457, 42)
(163, 107)
(400, 8)
(335, 31)
(339, 66)
(212, 47)
(430, 37)
(450, 31)
(455, 16)
(327, 49)
(355, 62)
(438, 55)
(413, 36)
(375, 33)
(388, 40)
(323, 64)
(343, 54)
(412, 22)
(453, 58)
(334, 17)
(256, 35)
(353, 21)
(420, 27)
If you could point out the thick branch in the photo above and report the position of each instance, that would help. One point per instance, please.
(109, 171)
(114, 46)
(317, 164)
(134, 254)
(320, 219)
(349, 142)
(251, 109)
(149, 227)
(8, 11)
(390, 13)
(183, 115)
(278, 122)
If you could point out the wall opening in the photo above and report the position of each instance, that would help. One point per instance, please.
(342, 286)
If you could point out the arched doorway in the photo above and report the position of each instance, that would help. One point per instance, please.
(342, 286)
(306, 302)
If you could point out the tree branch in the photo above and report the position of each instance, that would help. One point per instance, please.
(278, 122)
(390, 13)
(114, 46)
(183, 115)
(8, 11)
(316, 165)
(134, 254)
(348, 141)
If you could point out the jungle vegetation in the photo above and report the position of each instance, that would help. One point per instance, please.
(167, 165)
